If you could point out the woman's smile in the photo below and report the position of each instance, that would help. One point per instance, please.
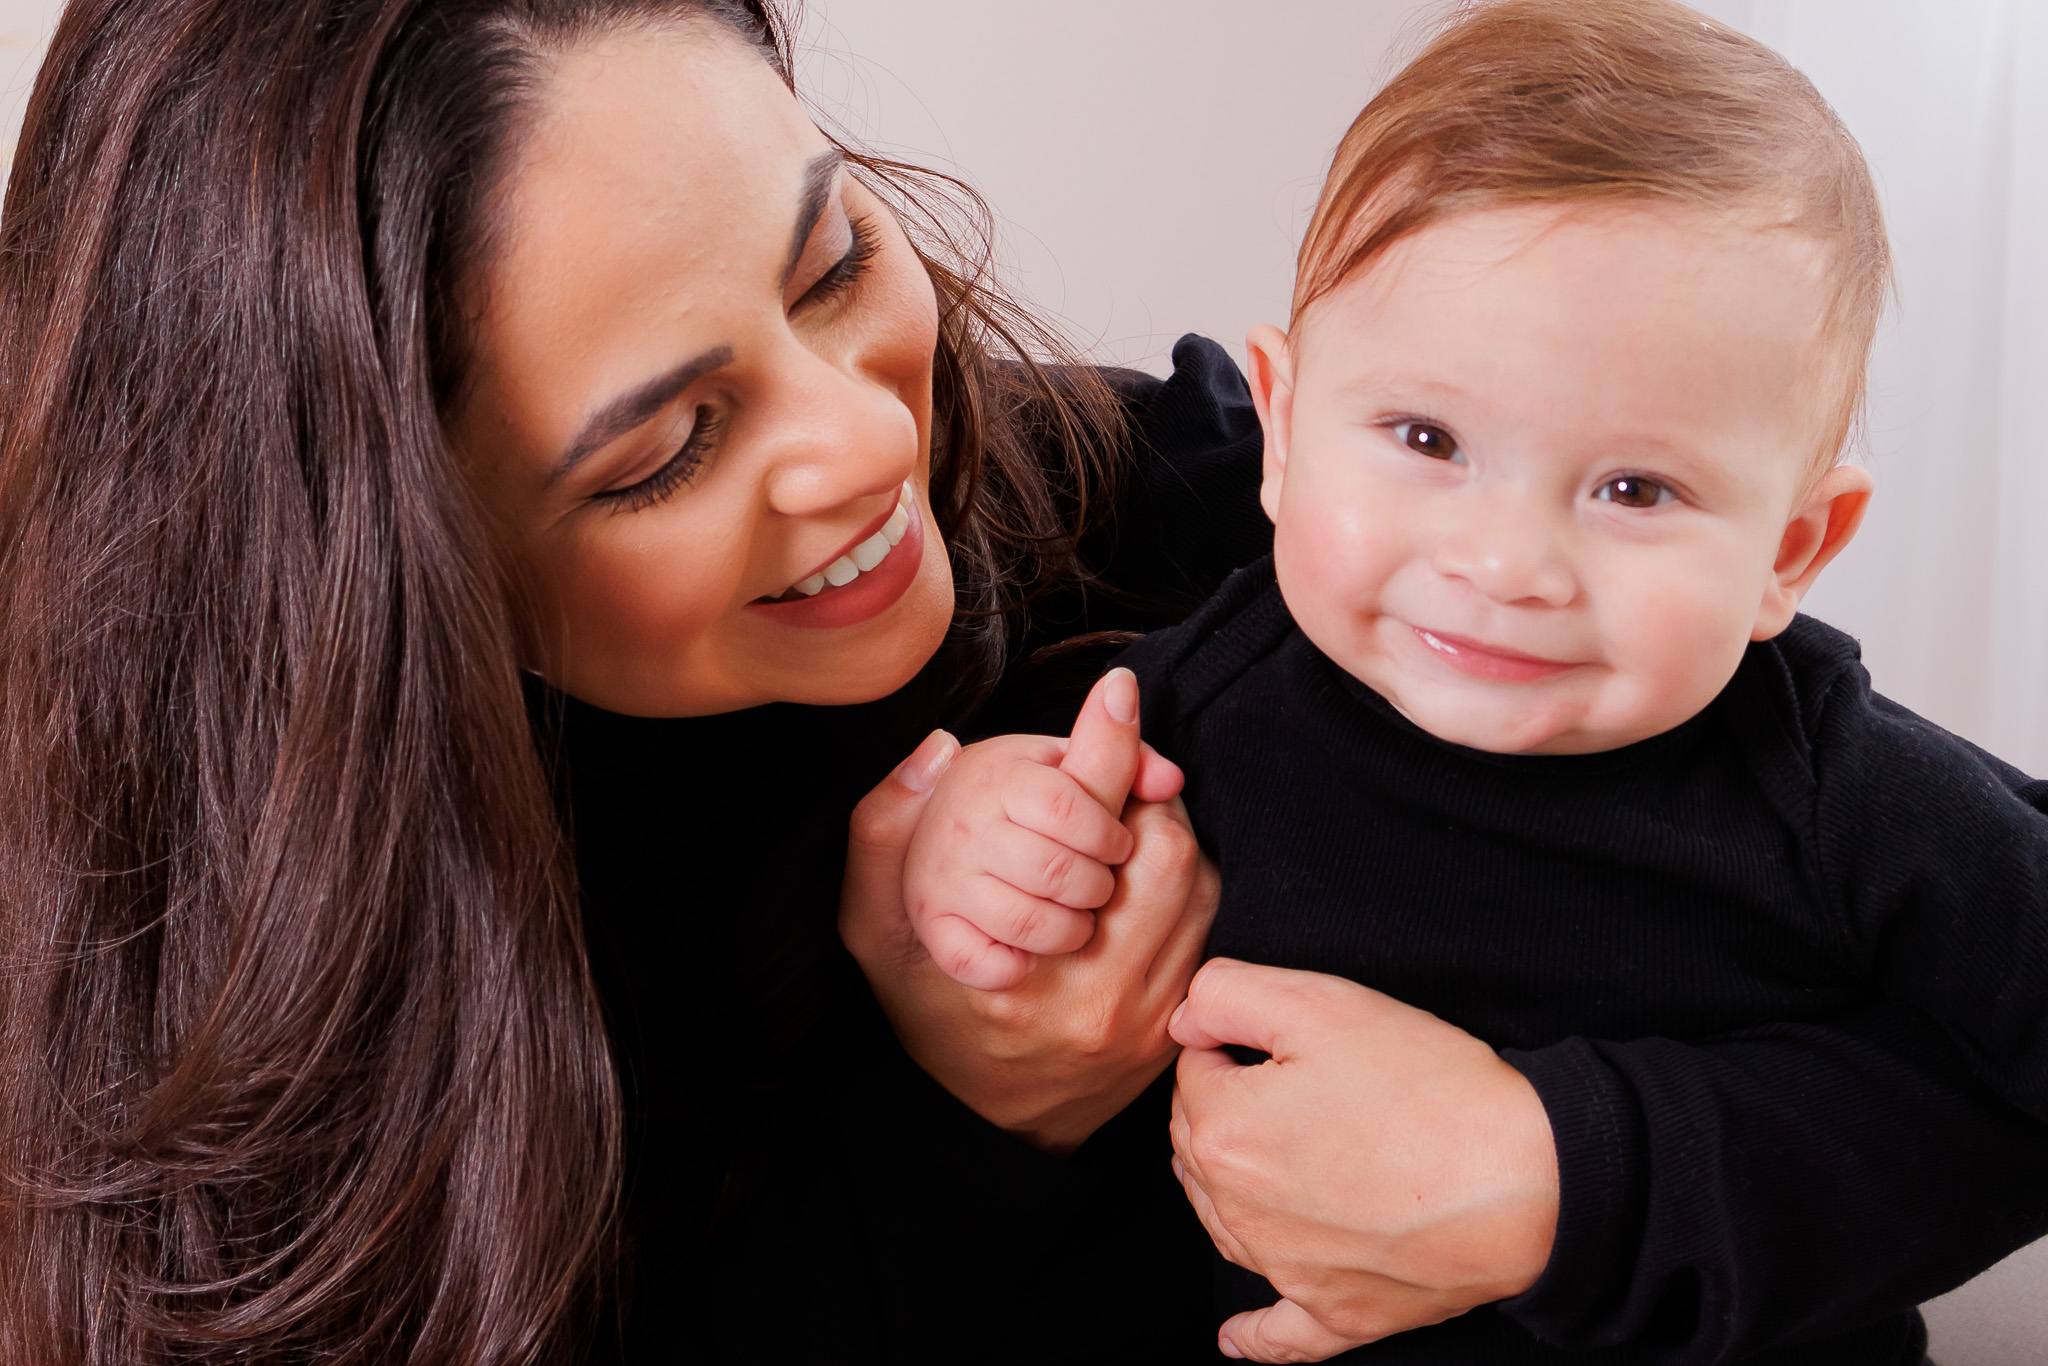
(863, 580)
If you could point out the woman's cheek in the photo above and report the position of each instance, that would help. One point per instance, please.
(639, 606)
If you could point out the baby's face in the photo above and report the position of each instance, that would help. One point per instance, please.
(1541, 474)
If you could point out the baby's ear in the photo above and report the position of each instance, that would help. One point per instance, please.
(1824, 525)
(1272, 376)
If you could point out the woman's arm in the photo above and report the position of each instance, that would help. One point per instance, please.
(1707, 1201)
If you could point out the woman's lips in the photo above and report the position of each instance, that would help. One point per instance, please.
(868, 592)
(1487, 661)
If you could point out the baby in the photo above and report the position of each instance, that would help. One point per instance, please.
(1519, 724)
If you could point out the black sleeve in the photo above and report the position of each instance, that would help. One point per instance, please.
(962, 1223)
(1719, 1199)
(1937, 855)
(1787, 1182)
(981, 1246)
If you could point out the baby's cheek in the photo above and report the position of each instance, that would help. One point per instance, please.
(1674, 639)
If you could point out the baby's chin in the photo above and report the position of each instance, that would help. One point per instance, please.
(1511, 718)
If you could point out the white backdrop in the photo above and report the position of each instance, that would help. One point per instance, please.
(1154, 162)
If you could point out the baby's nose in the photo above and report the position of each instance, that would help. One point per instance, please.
(1506, 552)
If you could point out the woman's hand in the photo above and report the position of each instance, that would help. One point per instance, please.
(1385, 1170)
(1054, 1057)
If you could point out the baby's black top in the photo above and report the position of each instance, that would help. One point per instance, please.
(1653, 936)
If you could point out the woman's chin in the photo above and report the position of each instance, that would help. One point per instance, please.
(871, 669)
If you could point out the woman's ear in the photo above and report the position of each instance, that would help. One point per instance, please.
(1272, 376)
(1819, 531)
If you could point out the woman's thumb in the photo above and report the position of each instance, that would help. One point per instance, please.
(887, 817)
(1103, 755)
(871, 900)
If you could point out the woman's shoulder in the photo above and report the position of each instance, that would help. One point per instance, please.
(1203, 408)
(1186, 515)
(1187, 510)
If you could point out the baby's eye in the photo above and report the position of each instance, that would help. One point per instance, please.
(1634, 491)
(1424, 439)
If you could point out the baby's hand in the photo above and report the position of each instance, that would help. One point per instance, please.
(1017, 843)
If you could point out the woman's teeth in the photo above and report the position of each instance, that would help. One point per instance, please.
(864, 556)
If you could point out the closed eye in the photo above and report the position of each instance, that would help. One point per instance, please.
(677, 471)
(847, 271)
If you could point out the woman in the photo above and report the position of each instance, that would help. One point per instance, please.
(358, 356)
(303, 1058)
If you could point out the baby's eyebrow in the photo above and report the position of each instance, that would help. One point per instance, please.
(1383, 384)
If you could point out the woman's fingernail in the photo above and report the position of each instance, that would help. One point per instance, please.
(1173, 1021)
(1180, 1172)
(1121, 696)
(921, 771)
(1227, 1347)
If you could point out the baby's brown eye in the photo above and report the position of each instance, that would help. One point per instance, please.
(1634, 491)
(1424, 439)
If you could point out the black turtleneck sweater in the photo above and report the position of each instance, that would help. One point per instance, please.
(1766, 970)
(800, 1191)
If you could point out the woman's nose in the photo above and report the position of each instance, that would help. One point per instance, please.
(835, 436)
(1506, 550)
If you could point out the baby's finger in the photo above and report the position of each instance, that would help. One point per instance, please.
(970, 957)
(1030, 923)
(1043, 868)
(1050, 803)
(1159, 778)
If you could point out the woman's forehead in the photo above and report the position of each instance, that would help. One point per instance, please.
(648, 212)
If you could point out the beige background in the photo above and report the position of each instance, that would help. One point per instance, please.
(1155, 160)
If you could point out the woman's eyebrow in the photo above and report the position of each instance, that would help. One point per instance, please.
(819, 174)
(634, 407)
(629, 410)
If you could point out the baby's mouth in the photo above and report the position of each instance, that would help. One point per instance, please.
(864, 555)
(1488, 661)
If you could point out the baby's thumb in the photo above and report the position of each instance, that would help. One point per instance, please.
(1103, 756)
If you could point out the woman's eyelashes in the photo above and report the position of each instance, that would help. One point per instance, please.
(846, 272)
(678, 470)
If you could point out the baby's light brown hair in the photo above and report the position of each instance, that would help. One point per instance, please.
(1553, 101)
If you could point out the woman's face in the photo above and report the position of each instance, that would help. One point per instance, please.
(702, 390)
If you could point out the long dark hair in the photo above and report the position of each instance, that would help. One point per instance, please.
(299, 1056)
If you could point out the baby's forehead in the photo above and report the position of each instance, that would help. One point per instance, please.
(1670, 324)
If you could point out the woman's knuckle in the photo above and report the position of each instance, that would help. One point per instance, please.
(1174, 851)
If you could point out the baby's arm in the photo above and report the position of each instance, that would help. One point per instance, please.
(1017, 845)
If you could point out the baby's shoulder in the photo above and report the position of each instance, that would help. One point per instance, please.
(1861, 750)
(1184, 668)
